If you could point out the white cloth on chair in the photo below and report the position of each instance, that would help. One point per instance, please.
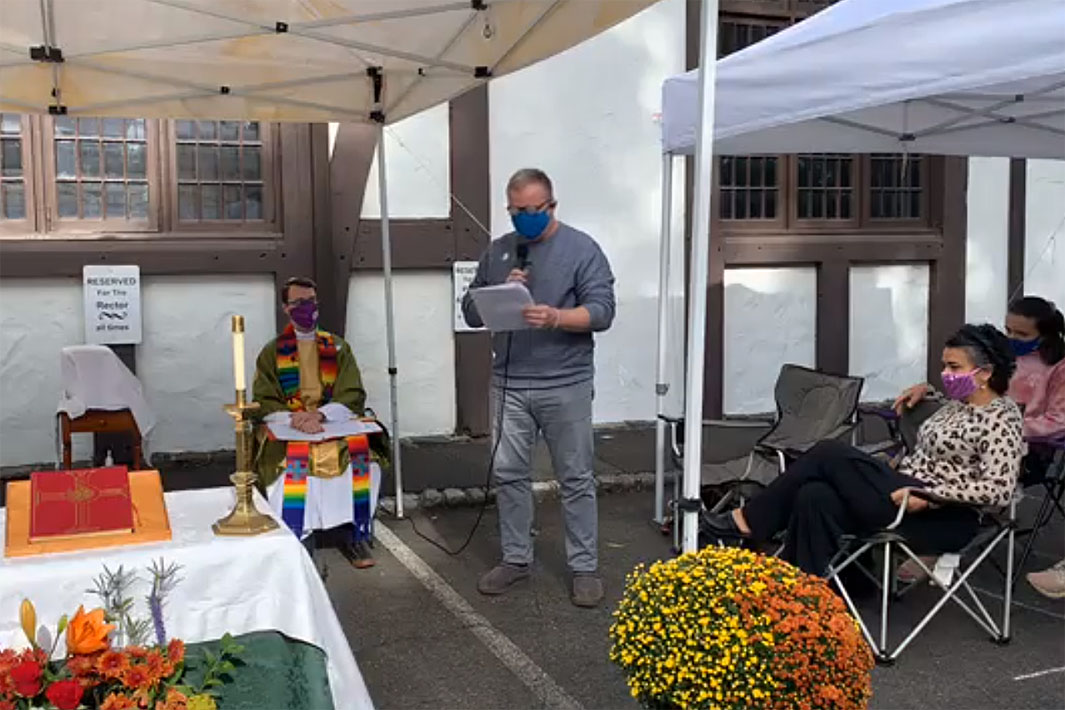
(93, 377)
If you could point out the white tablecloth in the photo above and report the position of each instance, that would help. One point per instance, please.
(228, 584)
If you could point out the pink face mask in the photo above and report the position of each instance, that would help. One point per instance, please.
(959, 385)
(305, 315)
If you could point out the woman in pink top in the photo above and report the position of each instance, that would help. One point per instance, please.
(1037, 333)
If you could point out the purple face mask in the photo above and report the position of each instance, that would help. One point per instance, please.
(959, 385)
(305, 315)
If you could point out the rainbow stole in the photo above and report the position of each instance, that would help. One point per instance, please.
(288, 366)
(298, 469)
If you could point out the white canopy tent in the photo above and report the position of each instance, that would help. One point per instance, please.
(951, 77)
(281, 60)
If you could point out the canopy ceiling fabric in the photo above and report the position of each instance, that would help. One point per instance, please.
(276, 60)
(949, 77)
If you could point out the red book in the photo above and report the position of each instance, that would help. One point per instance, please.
(90, 501)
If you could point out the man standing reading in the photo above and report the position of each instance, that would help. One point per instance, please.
(543, 379)
(306, 377)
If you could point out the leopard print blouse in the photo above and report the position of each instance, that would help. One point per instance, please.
(970, 454)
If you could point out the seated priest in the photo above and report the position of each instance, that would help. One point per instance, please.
(304, 378)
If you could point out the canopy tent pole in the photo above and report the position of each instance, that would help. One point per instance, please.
(390, 324)
(661, 386)
(700, 268)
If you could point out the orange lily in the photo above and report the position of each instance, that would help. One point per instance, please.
(87, 633)
(28, 618)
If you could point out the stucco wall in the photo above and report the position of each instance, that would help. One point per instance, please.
(184, 362)
(1045, 230)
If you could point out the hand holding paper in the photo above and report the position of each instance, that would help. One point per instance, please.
(501, 307)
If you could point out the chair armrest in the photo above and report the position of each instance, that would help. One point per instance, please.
(796, 450)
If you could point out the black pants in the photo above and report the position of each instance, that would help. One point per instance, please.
(836, 489)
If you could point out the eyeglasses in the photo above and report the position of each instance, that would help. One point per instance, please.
(301, 301)
(530, 210)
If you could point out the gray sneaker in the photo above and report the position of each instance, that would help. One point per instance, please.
(587, 589)
(1050, 582)
(499, 578)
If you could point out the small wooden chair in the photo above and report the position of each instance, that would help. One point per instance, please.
(99, 421)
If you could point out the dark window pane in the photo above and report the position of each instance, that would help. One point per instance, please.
(230, 159)
(188, 204)
(186, 160)
(186, 130)
(251, 131)
(114, 128)
(89, 127)
(65, 164)
(212, 201)
(114, 166)
(67, 194)
(726, 171)
(65, 126)
(741, 204)
(91, 200)
(10, 124)
(806, 204)
(116, 200)
(771, 171)
(756, 171)
(770, 204)
(740, 177)
(135, 129)
(726, 204)
(754, 202)
(90, 158)
(253, 201)
(229, 130)
(14, 200)
(137, 161)
(11, 157)
(845, 205)
(234, 209)
(252, 163)
(208, 166)
(915, 205)
(208, 130)
(138, 201)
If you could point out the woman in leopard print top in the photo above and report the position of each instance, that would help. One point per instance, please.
(968, 452)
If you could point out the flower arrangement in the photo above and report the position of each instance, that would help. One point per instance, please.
(109, 664)
(731, 629)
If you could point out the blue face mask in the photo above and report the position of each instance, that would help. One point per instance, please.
(531, 225)
(1024, 347)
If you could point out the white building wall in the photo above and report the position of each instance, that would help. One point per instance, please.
(987, 245)
(1044, 254)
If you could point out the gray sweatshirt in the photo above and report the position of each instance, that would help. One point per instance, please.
(566, 270)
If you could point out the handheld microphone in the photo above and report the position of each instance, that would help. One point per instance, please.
(523, 256)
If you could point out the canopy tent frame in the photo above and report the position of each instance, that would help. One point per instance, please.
(991, 110)
(579, 21)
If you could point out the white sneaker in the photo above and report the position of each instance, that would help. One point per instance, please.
(1050, 582)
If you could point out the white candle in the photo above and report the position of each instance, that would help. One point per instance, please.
(238, 352)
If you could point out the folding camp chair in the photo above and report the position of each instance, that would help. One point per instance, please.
(948, 573)
(811, 406)
(1053, 485)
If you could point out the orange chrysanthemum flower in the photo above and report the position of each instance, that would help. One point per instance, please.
(118, 701)
(112, 664)
(175, 651)
(137, 677)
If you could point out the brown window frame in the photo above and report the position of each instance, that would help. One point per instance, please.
(56, 225)
(784, 13)
(42, 205)
(27, 224)
(270, 224)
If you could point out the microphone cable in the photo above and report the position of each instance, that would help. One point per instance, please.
(523, 262)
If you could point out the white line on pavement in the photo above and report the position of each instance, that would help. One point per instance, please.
(534, 677)
(1037, 674)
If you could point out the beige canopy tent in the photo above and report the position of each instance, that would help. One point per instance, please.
(280, 60)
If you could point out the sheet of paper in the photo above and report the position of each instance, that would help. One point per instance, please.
(500, 306)
(333, 430)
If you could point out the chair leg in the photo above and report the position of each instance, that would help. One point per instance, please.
(885, 595)
(1010, 581)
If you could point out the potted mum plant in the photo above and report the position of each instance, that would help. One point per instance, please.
(731, 629)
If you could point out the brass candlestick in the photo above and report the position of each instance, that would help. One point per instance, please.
(245, 518)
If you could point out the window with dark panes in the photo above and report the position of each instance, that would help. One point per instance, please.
(220, 171)
(12, 168)
(834, 191)
(101, 168)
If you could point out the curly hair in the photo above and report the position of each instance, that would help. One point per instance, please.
(1048, 321)
(988, 348)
